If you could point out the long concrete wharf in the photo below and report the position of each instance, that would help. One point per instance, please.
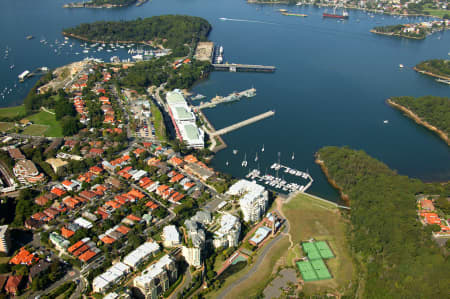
(243, 123)
(235, 96)
(236, 67)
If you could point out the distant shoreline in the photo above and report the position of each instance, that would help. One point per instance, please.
(346, 7)
(419, 121)
(396, 34)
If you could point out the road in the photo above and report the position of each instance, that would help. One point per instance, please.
(186, 281)
(71, 275)
(256, 265)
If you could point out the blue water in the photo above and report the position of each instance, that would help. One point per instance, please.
(330, 86)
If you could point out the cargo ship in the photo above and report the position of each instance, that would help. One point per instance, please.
(334, 15)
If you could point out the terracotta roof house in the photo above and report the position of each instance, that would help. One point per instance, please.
(13, 284)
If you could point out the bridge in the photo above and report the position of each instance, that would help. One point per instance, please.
(236, 67)
(243, 123)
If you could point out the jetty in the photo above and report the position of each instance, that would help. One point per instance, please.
(235, 96)
(235, 67)
(243, 123)
(26, 74)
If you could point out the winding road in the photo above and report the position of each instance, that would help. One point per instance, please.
(257, 264)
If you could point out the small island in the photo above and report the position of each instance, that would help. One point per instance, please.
(103, 3)
(429, 111)
(412, 31)
(168, 31)
(438, 68)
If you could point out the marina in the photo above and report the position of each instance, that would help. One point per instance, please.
(280, 183)
(235, 96)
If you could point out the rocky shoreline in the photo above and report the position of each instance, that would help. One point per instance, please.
(330, 180)
(419, 121)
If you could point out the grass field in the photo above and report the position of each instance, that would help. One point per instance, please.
(311, 218)
(4, 126)
(53, 128)
(35, 130)
(158, 122)
(12, 111)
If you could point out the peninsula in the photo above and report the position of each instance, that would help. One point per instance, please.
(412, 31)
(438, 68)
(385, 230)
(168, 31)
(102, 3)
(429, 111)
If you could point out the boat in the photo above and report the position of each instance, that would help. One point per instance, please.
(299, 4)
(443, 81)
(11, 66)
(244, 162)
(334, 15)
(401, 66)
(282, 10)
(293, 14)
(29, 37)
(227, 163)
(293, 157)
(386, 121)
(262, 148)
(256, 157)
(235, 151)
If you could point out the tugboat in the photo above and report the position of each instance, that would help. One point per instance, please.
(344, 15)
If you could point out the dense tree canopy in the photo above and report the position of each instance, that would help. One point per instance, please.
(433, 110)
(399, 256)
(436, 66)
(171, 30)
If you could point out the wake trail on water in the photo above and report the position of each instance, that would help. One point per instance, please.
(247, 21)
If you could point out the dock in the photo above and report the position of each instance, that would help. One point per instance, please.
(235, 67)
(27, 74)
(243, 123)
(235, 96)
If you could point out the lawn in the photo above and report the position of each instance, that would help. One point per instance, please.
(12, 111)
(6, 126)
(311, 218)
(47, 119)
(35, 130)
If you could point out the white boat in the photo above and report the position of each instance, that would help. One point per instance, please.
(386, 121)
(401, 66)
(256, 158)
(443, 81)
(244, 163)
(293, 157)
(262, 148)
(227, 163)
(235, 152)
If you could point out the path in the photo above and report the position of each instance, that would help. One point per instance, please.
(255, 266)
(46, 110)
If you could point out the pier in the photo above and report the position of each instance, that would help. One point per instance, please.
(235, 96)
(243, 123)
(235, 67)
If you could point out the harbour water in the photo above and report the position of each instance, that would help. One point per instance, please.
(330, 86)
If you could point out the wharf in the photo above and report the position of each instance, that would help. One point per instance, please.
(235, 67)
(243, 123)
(235, 96)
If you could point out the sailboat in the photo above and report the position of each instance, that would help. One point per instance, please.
(256, 158)
(244, 163)
(262, 148)
(293, 157)
(226, 163)
(235, 152)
